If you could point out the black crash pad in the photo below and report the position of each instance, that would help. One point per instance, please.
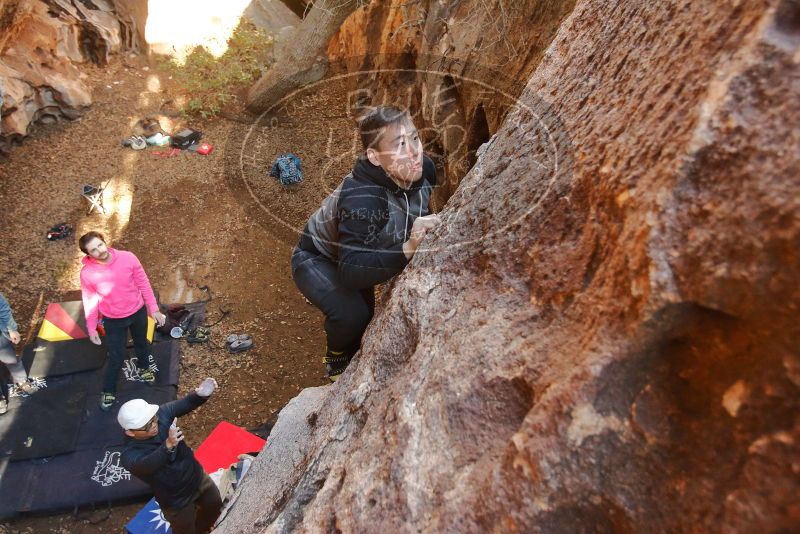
(54, 358)
(44, 424)
(90, 474)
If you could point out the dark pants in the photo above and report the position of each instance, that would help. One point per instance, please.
(198, 516)
(4, 383)
(347, 311)
(116, 341)
(9, 357)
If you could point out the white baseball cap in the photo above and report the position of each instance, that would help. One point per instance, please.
(135, 414)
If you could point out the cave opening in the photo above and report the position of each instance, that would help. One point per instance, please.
(477, 135)
(93, 45)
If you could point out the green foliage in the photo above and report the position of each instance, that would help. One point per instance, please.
(210, 83)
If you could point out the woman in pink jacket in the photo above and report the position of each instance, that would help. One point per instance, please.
(115, 287)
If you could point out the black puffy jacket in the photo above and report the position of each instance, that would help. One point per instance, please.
(363, 224)
(173, 476)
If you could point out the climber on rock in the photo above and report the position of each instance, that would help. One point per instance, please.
(366, 231)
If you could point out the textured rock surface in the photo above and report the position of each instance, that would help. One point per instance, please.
(279, 479)
(605, 345)
(299, 54)
(42, 43)
(447, 47)
(272, 15)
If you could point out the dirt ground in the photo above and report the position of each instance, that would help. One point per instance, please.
(193, 220)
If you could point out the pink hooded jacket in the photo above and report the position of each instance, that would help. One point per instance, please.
(115, 289)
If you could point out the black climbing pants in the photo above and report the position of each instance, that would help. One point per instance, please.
(199, 515)
(347, 311)
(116, 340)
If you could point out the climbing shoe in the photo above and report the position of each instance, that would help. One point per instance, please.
(107, 400)
(147, 375)
(200, 334)
(3, 406)
(335, 363)
(240, 346)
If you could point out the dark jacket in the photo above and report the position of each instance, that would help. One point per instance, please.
(363, 224)
(173, 476)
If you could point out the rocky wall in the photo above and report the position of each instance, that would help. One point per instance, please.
(42, 44)
(602, 335)
(449, 49)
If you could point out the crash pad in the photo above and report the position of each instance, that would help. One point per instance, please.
(65, 320)
(91, 474)
(44, 424)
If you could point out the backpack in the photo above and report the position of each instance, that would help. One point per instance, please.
(177, 315)
(186, 138)
(287, 169)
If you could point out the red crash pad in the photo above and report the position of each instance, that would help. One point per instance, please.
(224, 445)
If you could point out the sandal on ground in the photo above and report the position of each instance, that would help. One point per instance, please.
(240, 345)
(231, 339)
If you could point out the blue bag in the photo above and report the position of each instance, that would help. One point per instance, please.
(287, 169)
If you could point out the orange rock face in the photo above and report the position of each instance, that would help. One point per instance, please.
(465, 62)
(603, 334)
(41, 45)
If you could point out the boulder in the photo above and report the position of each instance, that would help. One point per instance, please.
(465, 62)
(299, 54)
(43, 43)
(271, 15)
(602, 335)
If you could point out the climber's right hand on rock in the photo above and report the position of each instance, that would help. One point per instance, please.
(421, 226)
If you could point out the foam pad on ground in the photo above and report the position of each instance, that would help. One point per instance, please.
(62, 321)
(65, 320)
(91, 474)
(54, 358)
(44, 424)
(224, 445)
(64, 482)
(149, 520)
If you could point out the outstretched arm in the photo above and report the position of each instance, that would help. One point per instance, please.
(140, 463)
(192, 401)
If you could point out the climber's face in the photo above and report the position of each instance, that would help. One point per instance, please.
(399, 152)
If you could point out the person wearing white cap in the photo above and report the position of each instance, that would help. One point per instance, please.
(156, 453)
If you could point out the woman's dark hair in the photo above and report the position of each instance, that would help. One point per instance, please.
(371, 124)
(88, 236)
